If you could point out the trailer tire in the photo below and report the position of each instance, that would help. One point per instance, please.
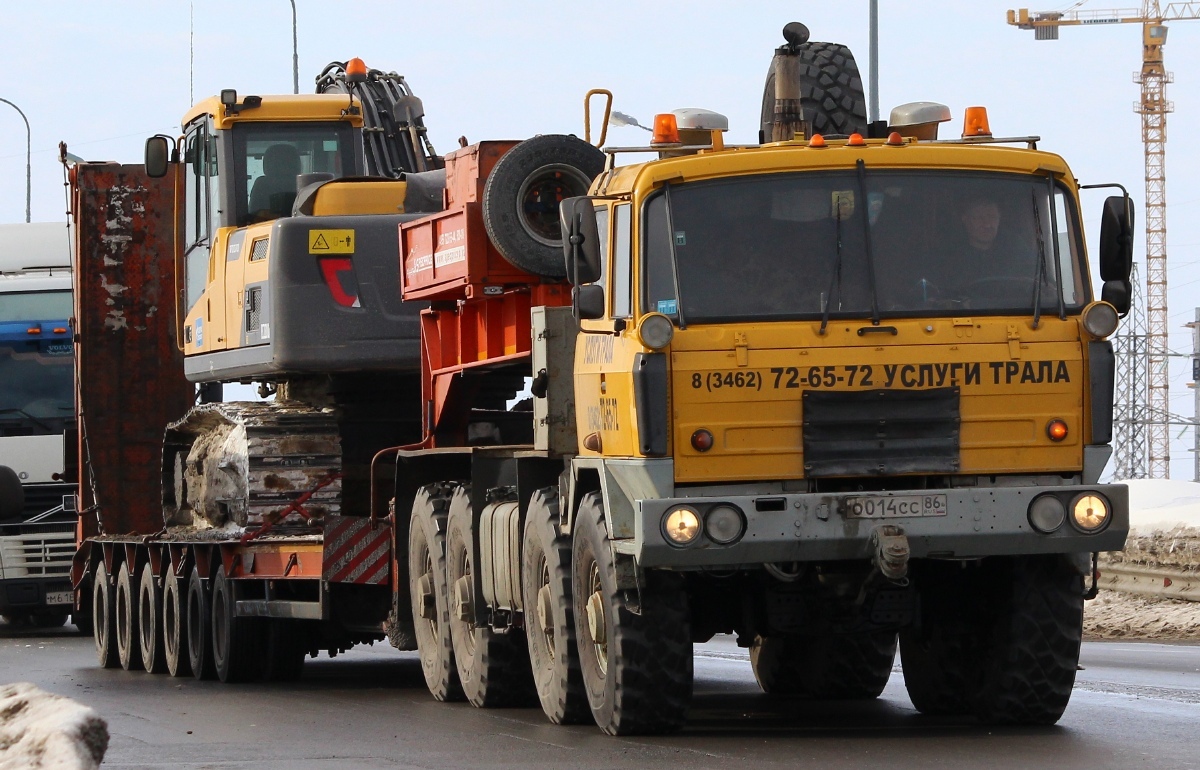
(827, 667)
(150, 630)
(174, 624)
(430, 596)
(637, 666)
(831, 92)
(1033, 642)
(236, 641)
(493, 668)
(126, 606)
(284, 650)
(199, 632)
(546, 587)
(521, 225)
(105, 629)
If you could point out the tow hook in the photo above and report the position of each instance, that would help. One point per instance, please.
(890, 551)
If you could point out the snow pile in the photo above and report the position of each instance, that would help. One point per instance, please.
(40, 731)
(1113, 615)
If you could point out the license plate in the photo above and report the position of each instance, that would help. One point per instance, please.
(60, 597)
(895, 506)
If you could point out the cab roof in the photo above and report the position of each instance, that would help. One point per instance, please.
(280, 108)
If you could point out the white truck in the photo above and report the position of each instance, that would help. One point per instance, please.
(37, 413)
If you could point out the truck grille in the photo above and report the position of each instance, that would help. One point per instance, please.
(40, 498)
(44, 555)
(881, 432)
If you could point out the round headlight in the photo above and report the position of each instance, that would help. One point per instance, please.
(1089, 512)
(724, 524)
(681, 526)
(655, 331)
(1047, 514)
(1100, 319)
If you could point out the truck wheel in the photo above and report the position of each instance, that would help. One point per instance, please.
(492, 667)
(150, 631)
(521, 197)
(236, 641)
(937, 660)
(1033, 644)
(284, 651)
(127, 621)
(549, 615)
(199, 633)
(827, 667)
(427, 587)
(637, 667)
(174, 625)
(105, 628)
(831, 91)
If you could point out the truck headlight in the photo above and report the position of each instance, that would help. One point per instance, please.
(1046, 514)
(681, 526)
(1089, 512)
(724, 524)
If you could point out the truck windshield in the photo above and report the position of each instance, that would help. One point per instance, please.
(273, 155)
(795, 246)
(37, 392)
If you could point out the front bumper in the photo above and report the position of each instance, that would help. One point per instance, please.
(35, 593)
(978, 522)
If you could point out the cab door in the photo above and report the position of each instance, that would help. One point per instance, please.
(203, 292)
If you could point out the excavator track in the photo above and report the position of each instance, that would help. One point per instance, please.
(244, 465)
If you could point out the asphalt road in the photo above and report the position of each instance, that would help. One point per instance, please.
(1135, 705)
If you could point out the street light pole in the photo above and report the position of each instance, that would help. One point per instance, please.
(295, 53)
(28, 145)
(873, 71)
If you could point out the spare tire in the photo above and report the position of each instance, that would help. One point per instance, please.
(12, 494)
(831, 91)
(520, 200)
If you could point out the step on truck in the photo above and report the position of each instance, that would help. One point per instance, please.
(550, 419)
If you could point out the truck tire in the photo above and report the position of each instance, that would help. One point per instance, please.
(285, 646)
(492, 668)
(430, 596)
(549, 614)
(150, 630)
(127, 620)
(827, 667)
(174, 625)
(831, 92)
(236, 641)
(1033, 642)
(104, 619)
(199, 632)
(12, 494)
(637, 667)
(521, 197)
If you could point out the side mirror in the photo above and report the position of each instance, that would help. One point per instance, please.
(158, 156)
(1118, 294)
(1116, 239)
(581, 240)
(587, 302)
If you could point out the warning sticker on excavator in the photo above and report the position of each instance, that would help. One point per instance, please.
(330, 241)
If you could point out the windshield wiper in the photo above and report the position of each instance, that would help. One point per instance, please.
(866, 220)
(1040, 271)
(836, 278)
(674, 255)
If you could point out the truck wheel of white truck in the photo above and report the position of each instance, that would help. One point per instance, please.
(104, 630)
(427, 587)
(174, 625)
(637, 667)
(549, 614)
(825, 667)
(492, 667)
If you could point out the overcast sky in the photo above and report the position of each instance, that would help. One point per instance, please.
(104, 74)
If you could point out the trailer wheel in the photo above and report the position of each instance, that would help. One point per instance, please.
(105, 628)
(150, 630)
(549, 614)
(127, 620)
(521, 197)
(236, 641)
(831, 91)
(174, 625)
(492, 667)
(1032, 645)
(827, 667)
(637, 667)
(199, 632)
(430, 596)
(284, 651)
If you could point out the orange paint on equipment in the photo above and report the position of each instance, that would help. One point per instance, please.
(976, 123)
(666, 129)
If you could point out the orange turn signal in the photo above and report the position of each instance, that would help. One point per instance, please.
(33, 330)
(976, 122)
(59, 330)
(856, 140)
(666, 129)
(894, 139)
(1056, 430)
(816, 141)
(356, 70)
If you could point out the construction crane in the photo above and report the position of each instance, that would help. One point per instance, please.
(1153, 108)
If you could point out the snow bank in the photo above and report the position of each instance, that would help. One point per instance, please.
(1113, 615)
(40, 731)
